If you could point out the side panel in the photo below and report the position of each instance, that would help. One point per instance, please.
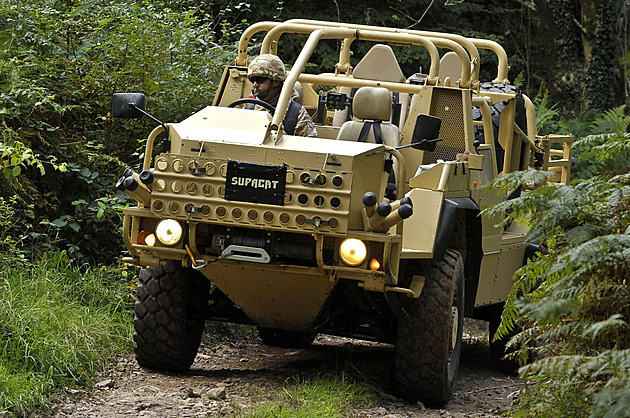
(418, 234)
(497, 268)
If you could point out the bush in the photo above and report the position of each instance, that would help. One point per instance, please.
(60, 63)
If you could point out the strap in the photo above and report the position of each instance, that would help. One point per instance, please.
(365, 130)
(349, 114)
(376, 125)
(291, 118)
(396, 108)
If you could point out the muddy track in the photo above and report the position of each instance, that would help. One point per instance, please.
(231, 376)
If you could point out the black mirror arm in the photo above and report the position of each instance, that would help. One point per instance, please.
(150, 116)
(424, 141)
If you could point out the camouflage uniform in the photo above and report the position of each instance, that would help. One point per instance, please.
(271, 67)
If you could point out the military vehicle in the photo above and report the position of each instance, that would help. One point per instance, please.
(374, 235)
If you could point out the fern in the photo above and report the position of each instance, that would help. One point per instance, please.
(545, 113)
(613, 120)
(594, 329)
(574, 299)
(604, 145)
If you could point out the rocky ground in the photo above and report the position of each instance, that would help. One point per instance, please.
(232, 375)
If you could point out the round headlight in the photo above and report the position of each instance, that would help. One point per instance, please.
(352, 251)
(169, 231)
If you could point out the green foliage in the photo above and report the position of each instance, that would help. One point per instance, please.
(575, 299)
(546, 114)
(15, 156)
(467, 18)
(598, 151)
(83, 221)
(612, 120)
(60, 62)
(13, 228)
(318, 396)
(58, 327)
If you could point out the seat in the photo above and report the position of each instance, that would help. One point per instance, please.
(373, 107)
(378, 64)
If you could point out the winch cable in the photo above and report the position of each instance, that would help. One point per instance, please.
(201, 264)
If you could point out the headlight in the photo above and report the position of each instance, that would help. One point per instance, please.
(146, 238)
(169, 231)
(375, 264)
(352, 251)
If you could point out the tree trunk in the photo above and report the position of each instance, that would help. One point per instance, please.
(582, 41)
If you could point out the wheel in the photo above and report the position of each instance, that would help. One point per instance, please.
(252, 100)
(429, 334)
(168, 320)
(285, 338)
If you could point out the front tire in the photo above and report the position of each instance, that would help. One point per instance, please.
(429, 340)
(168, 321)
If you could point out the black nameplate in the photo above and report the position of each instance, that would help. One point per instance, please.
(255, 183)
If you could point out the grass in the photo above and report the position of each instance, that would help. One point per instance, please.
(321, 395)
(59, 326)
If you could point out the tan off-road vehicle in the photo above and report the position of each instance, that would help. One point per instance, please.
(372, 230)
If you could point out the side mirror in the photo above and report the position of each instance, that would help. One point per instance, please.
(126, 105)
(425, 133)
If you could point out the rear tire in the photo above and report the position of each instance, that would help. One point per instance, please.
(285, 338)
(429, 340)
(169, 321)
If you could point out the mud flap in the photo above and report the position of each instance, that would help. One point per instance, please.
(443, 235)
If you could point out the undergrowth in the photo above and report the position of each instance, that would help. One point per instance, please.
(320, 395)
(573, 300)
(59, 326)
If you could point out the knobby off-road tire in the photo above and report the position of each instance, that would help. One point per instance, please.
(285, 338)
(429, 339)
(168, 320)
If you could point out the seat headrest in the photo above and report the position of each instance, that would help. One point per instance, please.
(373, 103)
(380, 64)
(450, 66)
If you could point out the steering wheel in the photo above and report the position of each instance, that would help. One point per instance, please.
(258, 102)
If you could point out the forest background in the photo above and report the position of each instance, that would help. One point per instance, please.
(61, 152)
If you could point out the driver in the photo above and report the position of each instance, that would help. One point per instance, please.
(267, 74)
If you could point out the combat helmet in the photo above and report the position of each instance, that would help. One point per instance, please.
(267, 65)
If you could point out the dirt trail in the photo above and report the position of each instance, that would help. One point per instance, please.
(229, 377)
